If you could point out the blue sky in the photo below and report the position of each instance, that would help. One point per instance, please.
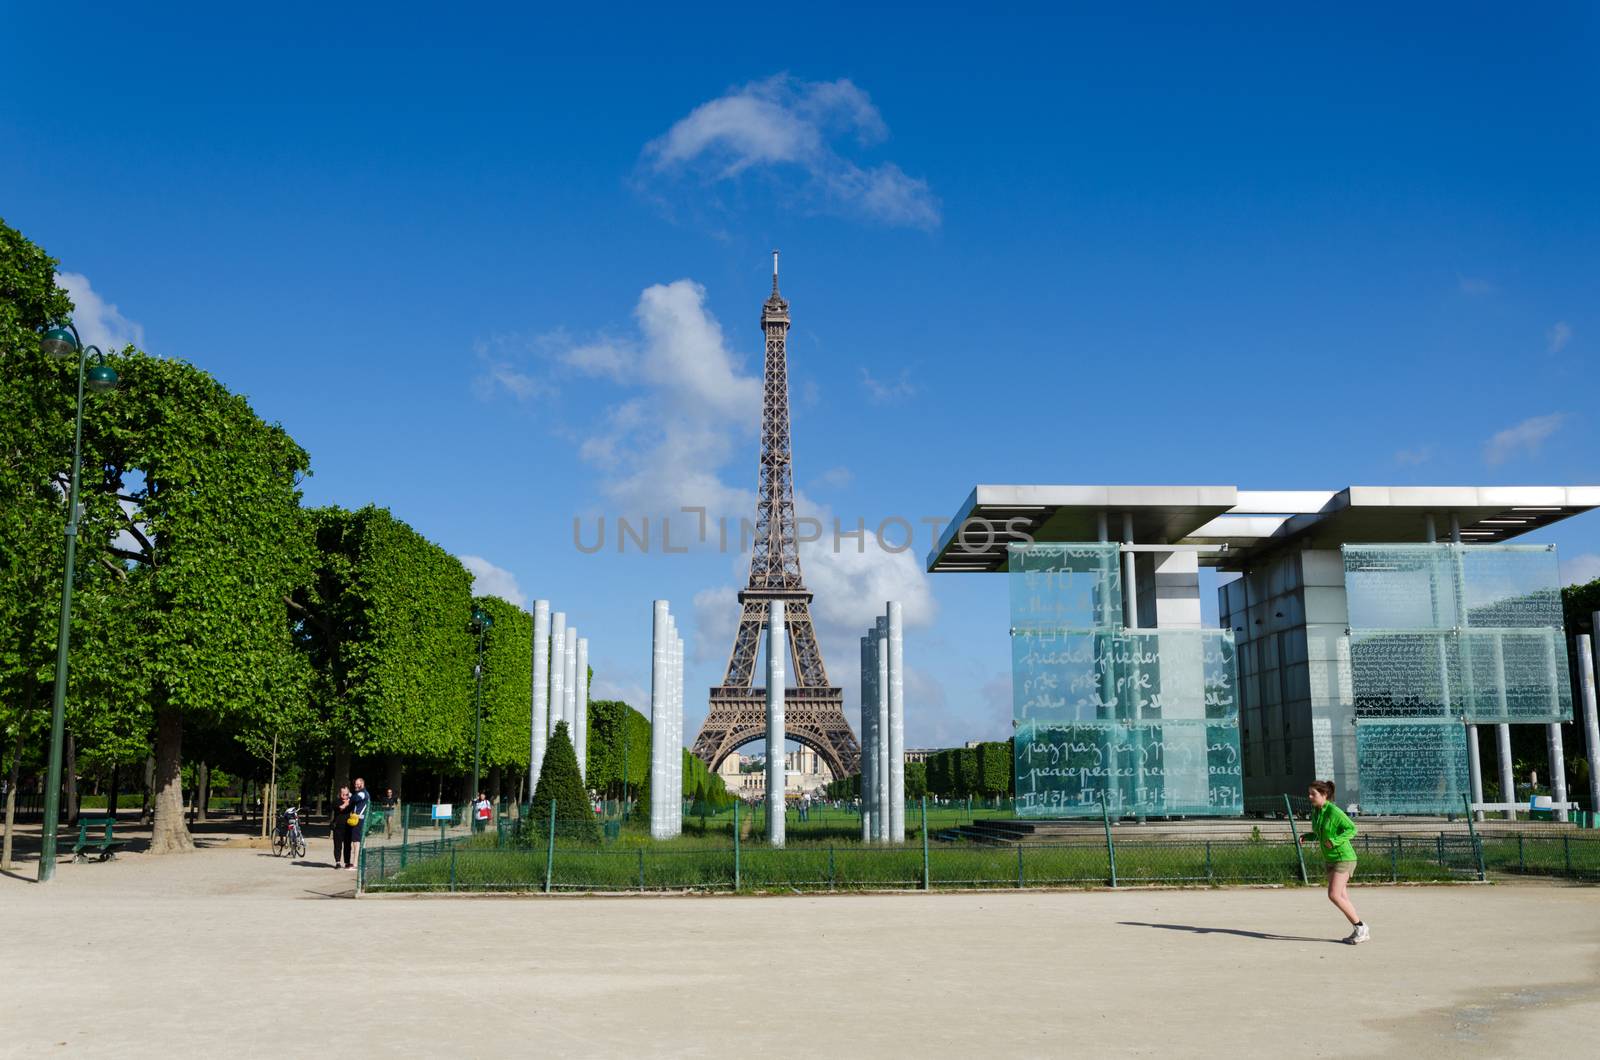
(499, 269)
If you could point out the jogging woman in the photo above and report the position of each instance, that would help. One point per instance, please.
(1333, 831)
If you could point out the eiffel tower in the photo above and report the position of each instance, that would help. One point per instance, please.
(813, 711)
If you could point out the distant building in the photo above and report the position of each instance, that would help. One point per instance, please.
(805, 771)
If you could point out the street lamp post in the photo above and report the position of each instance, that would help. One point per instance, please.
(481, 622)
(63, 343)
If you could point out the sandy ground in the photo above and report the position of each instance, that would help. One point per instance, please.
(232, 949)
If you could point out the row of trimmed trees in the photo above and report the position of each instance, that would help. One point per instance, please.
(956, 773)
(219, 625)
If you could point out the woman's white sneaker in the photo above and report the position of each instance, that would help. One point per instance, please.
(1359, 935)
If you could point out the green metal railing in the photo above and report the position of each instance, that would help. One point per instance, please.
(540, 853)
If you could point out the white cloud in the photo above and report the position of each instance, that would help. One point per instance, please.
(1524, 439)
(489, 580)
(1412, 457)
(99, 322)
(836, 477)
(783, 122)
(1558, 336)
(888, 392)
(1476, 286)
(1580, 569)
(503, 375)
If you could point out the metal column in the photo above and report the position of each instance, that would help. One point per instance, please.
(1558, 758)
(580, 720)
(776, 776)
(558, 667)
(1508, 780)
(658, 718)
(880, 766)
(569, 709)
(897, 726)
(1591, 723)
(539, 722)
(869, 667)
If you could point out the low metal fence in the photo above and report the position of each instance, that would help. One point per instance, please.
(530, 852)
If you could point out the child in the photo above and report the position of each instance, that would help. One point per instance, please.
(1333, 831)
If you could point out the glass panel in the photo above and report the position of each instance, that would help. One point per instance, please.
(1145, 769)
(1400, 586)
(1412, 767)
(1516, 675)
(1405, 675)
(1511, 587)
(1065, 586)
(1144, 722)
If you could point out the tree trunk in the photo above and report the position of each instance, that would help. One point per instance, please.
(149, 787)
(392, 777)
(341, 772)
(202, 791)
(11, 800)
(494, 784)
(71, 779)
(114, 791)
(168, 834)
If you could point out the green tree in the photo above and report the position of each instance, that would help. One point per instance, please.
(615, 728)
(916, 780)
(384, 623)
(507, 684)
(993, 768)
(559, 780)
(214, 545)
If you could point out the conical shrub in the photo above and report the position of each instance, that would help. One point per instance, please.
(559, 780)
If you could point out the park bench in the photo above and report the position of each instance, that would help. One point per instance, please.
(105, 845)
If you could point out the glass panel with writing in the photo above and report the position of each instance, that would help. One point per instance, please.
(1412, 767)
(1511, 586)
(1405, 674)
(1400, 586)
(1065, 586)
(1516, 675)
(1143, 769)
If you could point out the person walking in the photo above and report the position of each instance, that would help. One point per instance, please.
(343, 811)
(388, 805)
(360, 802)
(482, 810)
(1332, 830)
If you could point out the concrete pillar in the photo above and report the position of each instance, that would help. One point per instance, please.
(776, 781)
(1591, 718)
(881, 742)
(897, 726)
(580, 722)
(1474, 770)
(1130, 585)
(658, 718)
(671, 803)
(676, 750)
(869, 667)
(558, 667)
(539, 723)
(1508, 779)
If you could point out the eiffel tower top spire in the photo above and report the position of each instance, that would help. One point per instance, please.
(775, 310)
(775, 557)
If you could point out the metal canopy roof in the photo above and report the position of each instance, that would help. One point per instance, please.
(1229, 526)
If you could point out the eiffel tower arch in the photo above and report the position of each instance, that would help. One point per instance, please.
(813, 709)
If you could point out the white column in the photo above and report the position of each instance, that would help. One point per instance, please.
(1508, 779)
(1558, 759)
(869, 667)
(897, 726)
(558, 667)
(580, 721)
(776, 781)
(569, 709)
(658, 719)
(676, 750)
(881, 739)
(1591, 717)
(1474, 772)
(539, 722)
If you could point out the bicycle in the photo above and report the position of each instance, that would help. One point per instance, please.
(287, 837)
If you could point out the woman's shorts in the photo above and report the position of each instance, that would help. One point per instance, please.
(1346, 869)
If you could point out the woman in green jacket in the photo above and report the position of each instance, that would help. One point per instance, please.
(1333, 831)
